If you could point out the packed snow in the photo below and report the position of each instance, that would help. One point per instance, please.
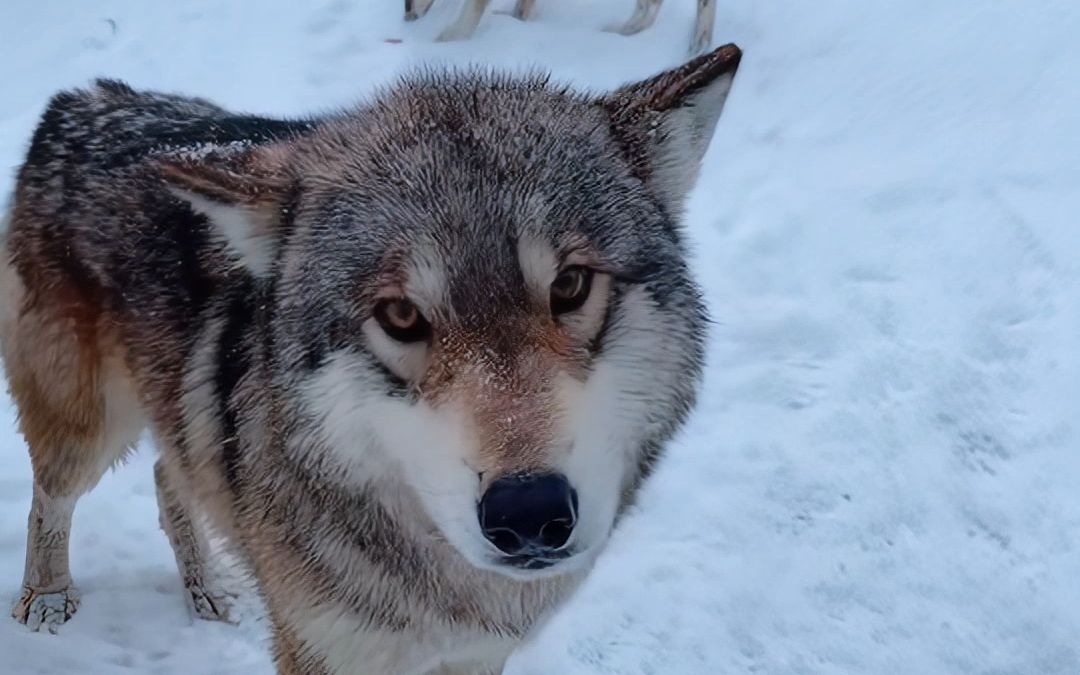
(881, 476)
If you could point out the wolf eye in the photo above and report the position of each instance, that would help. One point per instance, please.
(570, 289)
(401, 320)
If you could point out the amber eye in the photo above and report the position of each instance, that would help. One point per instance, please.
(570, 289)
(401, 320)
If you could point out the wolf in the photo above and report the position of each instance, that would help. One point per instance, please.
(411, 359)
(644, 15)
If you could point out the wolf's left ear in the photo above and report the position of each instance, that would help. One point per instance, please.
(664, 124)
(242, 197)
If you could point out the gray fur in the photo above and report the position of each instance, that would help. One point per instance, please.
(125, 196)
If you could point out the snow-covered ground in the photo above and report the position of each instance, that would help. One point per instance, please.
(882, 476)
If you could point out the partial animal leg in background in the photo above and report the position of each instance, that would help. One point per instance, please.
(522, 9)
(644, 15)
(466, 22)
(190, 546)
(414, 9)
(703, 26)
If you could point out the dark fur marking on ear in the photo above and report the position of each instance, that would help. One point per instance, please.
(185, 264)
(180, 269)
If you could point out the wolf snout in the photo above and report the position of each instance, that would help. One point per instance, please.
(529, 515)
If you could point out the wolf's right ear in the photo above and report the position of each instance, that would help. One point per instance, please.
(664, 124)
(240, 195)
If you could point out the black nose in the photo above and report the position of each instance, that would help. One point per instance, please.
(529, 513)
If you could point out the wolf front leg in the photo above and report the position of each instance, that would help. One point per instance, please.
(189, 545)
(48, 598)
(79, 414)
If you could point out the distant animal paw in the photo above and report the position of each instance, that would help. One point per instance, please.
(414, 9)
(634, 25)
(700, 42)
(46, 610)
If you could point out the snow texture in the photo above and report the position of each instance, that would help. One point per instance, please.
(881, 475)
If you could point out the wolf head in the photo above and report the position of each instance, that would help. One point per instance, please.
(479, 295)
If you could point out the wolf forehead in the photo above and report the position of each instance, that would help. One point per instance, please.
(476, 155)
(454, 169)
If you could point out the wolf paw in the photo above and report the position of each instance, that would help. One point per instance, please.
(45, 610)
